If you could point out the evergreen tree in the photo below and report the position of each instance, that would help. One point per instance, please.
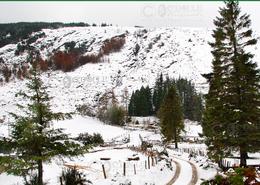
(171, 116)
(149, 101)
(231, 119)
(131, 108)
(33, 140)
(158, 93)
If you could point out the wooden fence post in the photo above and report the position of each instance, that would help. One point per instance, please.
(134, 169)
(148, 162)
(145, 164)
(61, 183)
(104, 172)
(124, 169)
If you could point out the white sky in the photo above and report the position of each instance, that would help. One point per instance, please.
(148, 14)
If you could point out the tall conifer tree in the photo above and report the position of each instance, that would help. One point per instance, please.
(33, 140)
(171, 116)
(231, 120)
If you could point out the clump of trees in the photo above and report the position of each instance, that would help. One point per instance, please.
(109, 111)
(146, 102)
(11, 33)
(113, 45)
(25, 45)
(232, 115)
(115, 115)
(68, 60)
(64, 61)
(141, 103)
(73, 57)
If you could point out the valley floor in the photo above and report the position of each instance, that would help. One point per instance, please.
(178, 168)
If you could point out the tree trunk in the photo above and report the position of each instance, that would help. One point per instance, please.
(175, 138)
(40, 172)
(243, 157)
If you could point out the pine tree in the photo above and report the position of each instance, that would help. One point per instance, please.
(131, 108)
(231, 119)
(171, 116)
(149, 101)
(33, 140)
(158, 93)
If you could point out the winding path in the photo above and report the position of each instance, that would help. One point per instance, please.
(184, 169)
(194, 178)
(176, 174)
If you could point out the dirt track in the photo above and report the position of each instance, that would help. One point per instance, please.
(176, 174)
(194, 177)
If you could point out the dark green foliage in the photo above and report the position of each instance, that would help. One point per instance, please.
(104, 24)
(22, 30)
(73, 177)
(191, 101)
(69, 46)
(32, 139)
(136, 49)
(90, 140)
(146, 145)
(158, 93)
(141, 102)
(171, 116)
(3, 147)
(232, 116)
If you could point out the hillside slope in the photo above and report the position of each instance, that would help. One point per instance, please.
(178, 52)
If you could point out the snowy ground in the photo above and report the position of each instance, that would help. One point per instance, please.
(192, 169)
(91, 163)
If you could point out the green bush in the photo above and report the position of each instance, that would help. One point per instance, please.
(115, 115)
(90, 140)
(73, 177)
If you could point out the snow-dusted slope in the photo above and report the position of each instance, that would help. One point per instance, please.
(178, 52)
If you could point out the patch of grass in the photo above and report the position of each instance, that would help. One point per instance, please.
(1, 169)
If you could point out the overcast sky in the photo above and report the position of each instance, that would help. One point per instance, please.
(148, 14)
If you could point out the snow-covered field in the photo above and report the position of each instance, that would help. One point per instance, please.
(91, 164)
(191, 168)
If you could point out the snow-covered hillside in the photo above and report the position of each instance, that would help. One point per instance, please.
(178, 52)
